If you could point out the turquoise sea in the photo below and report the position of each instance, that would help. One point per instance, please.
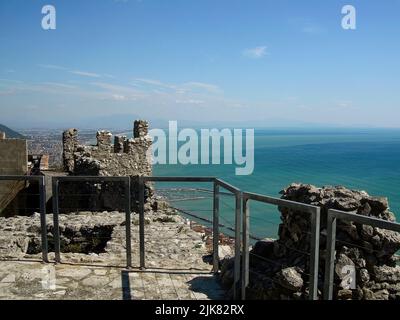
(366, 159)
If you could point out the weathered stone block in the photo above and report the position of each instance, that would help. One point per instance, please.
(119, 144)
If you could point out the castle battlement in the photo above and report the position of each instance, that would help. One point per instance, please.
(126, 157)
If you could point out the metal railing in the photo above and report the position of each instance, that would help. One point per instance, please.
(314, 213)
(241, 225)
(55, 188)
(142, 182)
(238, 215)
(217, 184)
(332, 218)
(42, 207)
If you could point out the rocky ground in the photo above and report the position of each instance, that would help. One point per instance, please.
(94, 258)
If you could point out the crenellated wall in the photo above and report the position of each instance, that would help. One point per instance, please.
(126, 157)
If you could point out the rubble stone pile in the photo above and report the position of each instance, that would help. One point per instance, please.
(280, 268)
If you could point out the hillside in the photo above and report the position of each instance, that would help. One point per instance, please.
(10, 133)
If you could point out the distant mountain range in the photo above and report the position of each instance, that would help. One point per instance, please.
(122, 122)
(11, 133)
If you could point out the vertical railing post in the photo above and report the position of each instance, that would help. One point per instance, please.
(141, 223)
(314, 254)
(245, 250)
(128, 223)
(330, 256)
(56, 228)
(43, 225)
(216, 227)
(238, 242)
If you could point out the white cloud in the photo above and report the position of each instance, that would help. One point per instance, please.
(7, 92)
(77, 72)
(312, 29)
(201, 85)
(155, 83)
(189, 101)
(85, 74)
(118, 97)
(344, 104)
(10, 80)
(61, 85)
(51, 66)
(291, 99)
(144, 95)
(117, 92)
(186, 87)
(255, 53)
(32, 107)
(114, 87)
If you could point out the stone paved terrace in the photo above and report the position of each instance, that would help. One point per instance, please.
(34, 280)
(175, 260)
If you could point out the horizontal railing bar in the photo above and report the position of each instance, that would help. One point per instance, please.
(21, 178)
(185, 189)
(253, 237)
(91, 178)
(280, 202)
(179, 179)
(194, 190)
(372, 221)
(227, 186)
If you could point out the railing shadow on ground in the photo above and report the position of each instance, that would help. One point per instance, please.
(126, 285)
(206, 284)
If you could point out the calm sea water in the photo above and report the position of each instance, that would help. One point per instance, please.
(360, 159)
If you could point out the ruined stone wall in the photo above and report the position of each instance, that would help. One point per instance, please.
(13, 161)
(13, 157)
(280, 267)
(70, 143)
(370, 251)
(126, 157)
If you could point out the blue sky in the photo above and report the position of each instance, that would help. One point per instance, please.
(284, 62)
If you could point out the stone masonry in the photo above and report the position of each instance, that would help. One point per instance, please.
(279, 268)
(13, 161)
(70, 142)
(127, 157)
